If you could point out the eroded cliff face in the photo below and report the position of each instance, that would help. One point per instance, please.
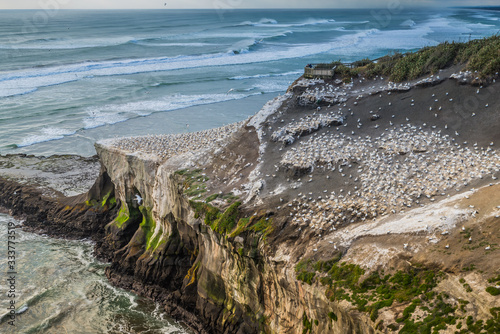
(217, 283)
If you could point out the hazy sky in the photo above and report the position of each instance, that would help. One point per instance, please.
(230, 4)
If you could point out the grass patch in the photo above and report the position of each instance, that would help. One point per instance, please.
(481, 55)
(332, 316)
(438, 318)
(227, 221)
(412, 287)
(307, 325)
(230, 221)
(305, 272)
(211, 198)
(493, 290)
(222, 223)
(193, 182)
(263, 226)
(230, 197)
(494, 279)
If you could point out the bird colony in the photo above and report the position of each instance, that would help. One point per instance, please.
(166, 146)
(306, 125)
(398, 170)
(337, 94)
(327, 93)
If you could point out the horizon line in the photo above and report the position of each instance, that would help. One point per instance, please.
(254, 8)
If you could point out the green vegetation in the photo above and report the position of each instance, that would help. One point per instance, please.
(304, 271)
(230, 197)
(108, 200)
(482, 55)
(332, 316)
(307, 325)
(124, 215)
(194, 182)
(493, 291)
(148, 225)
(227, 221)
(469, 268)
(412, 287)
(194, 186)
(494, 279)
(492, 326)
(263, 226)
(211, 198)
(91, 202)
(438, 318)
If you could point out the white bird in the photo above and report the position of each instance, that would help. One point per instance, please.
(138, 199)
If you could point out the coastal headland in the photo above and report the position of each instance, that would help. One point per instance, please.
(368, 202)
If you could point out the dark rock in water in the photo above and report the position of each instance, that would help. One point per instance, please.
(78, 217)
(374, 117)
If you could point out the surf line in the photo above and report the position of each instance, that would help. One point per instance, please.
(11, 272)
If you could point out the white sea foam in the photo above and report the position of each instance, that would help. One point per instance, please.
(271, 86)
(408, 23)
(18, 82)
(490, 17)
(114, 113)
(46, 134)
(98, 116)
(66, 44)
(261, 21)
(480, 26)
(267, 75)
(175, 44)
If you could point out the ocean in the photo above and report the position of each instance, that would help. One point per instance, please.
(69, 78)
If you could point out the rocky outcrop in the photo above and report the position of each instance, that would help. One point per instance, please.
(51, 213)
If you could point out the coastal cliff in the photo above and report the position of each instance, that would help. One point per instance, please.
(343, 206)
(216, 282)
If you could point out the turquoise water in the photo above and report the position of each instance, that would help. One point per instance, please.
(61, 288)
(78, 76)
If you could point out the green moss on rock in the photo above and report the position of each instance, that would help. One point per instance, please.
(226, 221)
(148, 225)
(306, 324)
(124, 215)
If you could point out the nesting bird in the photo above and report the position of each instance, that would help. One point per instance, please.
(167, 146)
